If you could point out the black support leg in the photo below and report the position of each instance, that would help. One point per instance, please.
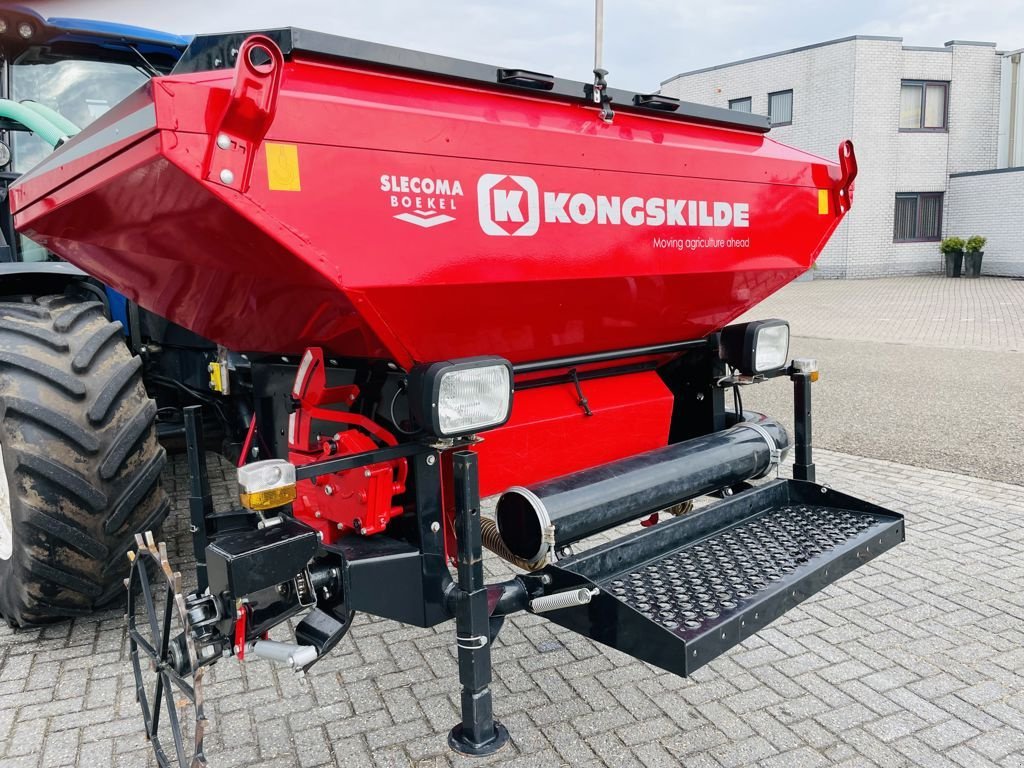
(478, 733)
(200, 501)
(803, 462)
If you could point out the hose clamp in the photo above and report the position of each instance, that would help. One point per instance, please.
(471, 643)
(774, 452)
(547, 543)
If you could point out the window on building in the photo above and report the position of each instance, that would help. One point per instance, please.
(741, 105)
(780, 107)
(923, 105)
(918, 217)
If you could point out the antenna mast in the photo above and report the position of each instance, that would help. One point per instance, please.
(600, 95)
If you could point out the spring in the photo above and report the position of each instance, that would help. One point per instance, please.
(492, 541)
(560, 600)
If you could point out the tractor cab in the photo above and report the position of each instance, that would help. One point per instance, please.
(59, 75)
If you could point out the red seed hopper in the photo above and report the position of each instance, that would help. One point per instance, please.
(330, 192)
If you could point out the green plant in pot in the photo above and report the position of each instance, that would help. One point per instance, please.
(973, 252)
(953, 249)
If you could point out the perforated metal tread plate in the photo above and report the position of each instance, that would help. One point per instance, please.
(681, 593)
(705, 581)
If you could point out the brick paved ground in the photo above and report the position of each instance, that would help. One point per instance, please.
(917, 370)
(916, 659)
(933, 311)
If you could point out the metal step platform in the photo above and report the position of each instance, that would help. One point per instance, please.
(684, 591)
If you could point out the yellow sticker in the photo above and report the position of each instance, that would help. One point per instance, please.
(822, 200)
(283, 167)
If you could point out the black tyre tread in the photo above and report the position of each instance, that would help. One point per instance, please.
(22, 309)
(74, 537)
(72, 581)
(126, 439)
(46, 613)
(118, 557)
(140, 486)
(86, 353)
(67, 318)
(53, 340)
(51, 299)
(52, 375)
(85, 440)
(82, 460)
(64, 480)
(112, 389)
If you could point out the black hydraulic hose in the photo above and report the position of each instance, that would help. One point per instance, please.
(569, 508)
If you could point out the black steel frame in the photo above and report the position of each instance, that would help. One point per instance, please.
(438, 598)
(200, 500)
(382, 562)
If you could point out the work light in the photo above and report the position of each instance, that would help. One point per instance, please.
(266, 484)
(460, 397)
(3, 25)
(25, 30)
(760, 346)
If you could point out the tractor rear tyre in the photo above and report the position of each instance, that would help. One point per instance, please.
(79, 461)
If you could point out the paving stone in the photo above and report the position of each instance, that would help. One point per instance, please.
(896, 726)
(804, 757)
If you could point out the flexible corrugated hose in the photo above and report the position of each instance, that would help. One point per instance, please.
(492, 541)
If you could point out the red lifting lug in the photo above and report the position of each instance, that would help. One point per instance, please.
(247, 115)
(848, 172)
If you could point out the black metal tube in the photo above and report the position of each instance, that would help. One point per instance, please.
(803, 461)
(478, 733)
(600, 357)
(593, 500)
(200, 499)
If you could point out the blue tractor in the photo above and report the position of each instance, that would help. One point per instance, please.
(87, 378)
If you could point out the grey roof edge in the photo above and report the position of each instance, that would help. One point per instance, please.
(1014, 169)
(885, 38)
(969, 42)
(929, 48)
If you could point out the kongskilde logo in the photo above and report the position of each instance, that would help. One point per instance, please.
(508, 205)
(513, 205)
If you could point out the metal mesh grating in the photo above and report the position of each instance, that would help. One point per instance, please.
(702, 581)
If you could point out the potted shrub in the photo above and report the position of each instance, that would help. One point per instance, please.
(972, 255)
(953, 249)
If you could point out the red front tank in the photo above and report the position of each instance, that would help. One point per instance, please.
(319, 199)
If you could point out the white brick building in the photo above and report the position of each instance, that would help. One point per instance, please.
(915, 116)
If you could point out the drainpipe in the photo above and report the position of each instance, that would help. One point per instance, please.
(1013, 128)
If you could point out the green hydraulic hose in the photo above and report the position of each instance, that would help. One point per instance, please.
(41, 126)
(55, 117)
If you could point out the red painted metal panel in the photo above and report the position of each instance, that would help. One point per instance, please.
(557, 233)
(549, 435)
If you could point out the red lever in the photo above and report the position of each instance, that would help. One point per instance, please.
(848, 169)
(241, 627)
